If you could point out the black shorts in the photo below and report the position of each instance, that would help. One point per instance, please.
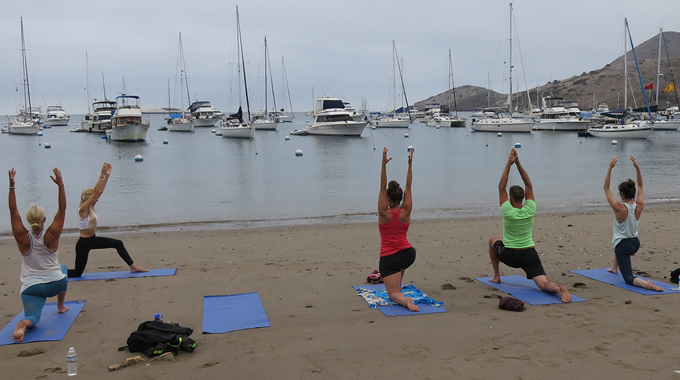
(397, 262)
(527, 259)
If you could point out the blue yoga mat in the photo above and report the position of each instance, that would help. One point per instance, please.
(52, 325)
(124, 274)
(617, 280)
(526, 290)
(223, 314)
(398, 310)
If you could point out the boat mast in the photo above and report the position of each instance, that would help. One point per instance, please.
(510, 96)
(285, 76)
(394, 82)
(183, 69)
(104, 86)
(243, 62)
(265, 78)
(271, 77)
(27, 87)
(658, 70)
(87, 82)
(452, 87)
(401, 77)
(670, 69)
(625, 65)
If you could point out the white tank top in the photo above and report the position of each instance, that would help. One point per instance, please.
(39, 265)
(85, 223)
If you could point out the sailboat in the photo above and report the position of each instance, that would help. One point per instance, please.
(262, 120)
(280, 116)
(446, 120)
(393, 121)
(497, 119)
(24, 123)
(668, 120)
(621, 127)
(181, 122)
(234, 125)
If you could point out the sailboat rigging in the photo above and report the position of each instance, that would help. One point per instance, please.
(25, 123)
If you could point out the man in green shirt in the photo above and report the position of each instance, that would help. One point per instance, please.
(517, 249)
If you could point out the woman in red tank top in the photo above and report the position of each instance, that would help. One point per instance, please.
(394, 218)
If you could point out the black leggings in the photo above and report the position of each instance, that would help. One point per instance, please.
(84, 245)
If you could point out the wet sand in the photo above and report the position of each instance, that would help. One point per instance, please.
(322, 330)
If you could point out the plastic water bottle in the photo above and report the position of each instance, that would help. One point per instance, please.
(158, 317)
(72, 362)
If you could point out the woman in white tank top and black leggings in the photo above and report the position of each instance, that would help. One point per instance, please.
(87, 223)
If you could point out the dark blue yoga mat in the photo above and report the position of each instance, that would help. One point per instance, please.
(526, 290)
(52, 325)
(124, 274)
(223, 314)
(617, 280)
(398, 310)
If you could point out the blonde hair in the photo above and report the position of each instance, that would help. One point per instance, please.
(84, 196)
(35, 215)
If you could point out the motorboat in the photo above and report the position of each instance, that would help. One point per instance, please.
(261, 122)
(56, 116)
(622, 131)
(331, 118)
(126, 122)
(392, 120)
(203, 114)
(100, 119)
(179, 122)
(498, 120)
(555, 117)
(668, 120)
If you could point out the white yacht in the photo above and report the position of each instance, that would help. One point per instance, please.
(100, 120)
(126, 122)
(333, 119)
(498, 120)
(555, 117)
(56, 116)
(203, 114)
(622, 131)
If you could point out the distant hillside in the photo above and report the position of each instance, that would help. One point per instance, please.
(589, 89)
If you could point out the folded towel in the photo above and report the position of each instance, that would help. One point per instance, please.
(377, 298)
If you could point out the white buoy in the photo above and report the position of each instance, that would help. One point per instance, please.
(614, 142)
(405, 134)
(213, 131)
(410, 148)
(518, 145)
(499, 134)
(373, 127)
(287, 138)
(47, 146)
(298, 153)
(165, 141)
(40, 134)
(139, 158)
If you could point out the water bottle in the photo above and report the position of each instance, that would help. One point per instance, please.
(158, 317)
(72, 362)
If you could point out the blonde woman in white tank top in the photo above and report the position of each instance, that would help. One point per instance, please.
(41, 274)
(87, 223)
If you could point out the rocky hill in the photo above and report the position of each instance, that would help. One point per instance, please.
(604, 85)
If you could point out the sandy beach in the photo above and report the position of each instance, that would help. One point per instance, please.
(320, 329)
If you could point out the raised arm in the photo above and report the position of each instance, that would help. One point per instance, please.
(503, 184)
(20, 232)
(97, 190)
(407, 205)
(54, 231)
(620, 211)
(383, 204)
(528, 187)
(640, 200)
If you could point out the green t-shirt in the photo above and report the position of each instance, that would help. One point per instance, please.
(518, 224)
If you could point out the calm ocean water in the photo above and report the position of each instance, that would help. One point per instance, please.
(199, 177)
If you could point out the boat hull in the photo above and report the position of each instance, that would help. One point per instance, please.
(664, 125)
(240, 132)
(394, 123)
(206, 122)
(185, 126)
(622, 132)
(21, 128)
(128, 132)
(265, 125)
(333, 129)
(499, 125)
(285, 118)
(57, 121)
(561, 125)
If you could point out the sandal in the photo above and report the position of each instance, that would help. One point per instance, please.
(374, 278)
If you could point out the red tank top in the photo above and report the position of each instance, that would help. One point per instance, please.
(393, 235)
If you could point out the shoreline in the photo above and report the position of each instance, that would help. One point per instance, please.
(442, 214)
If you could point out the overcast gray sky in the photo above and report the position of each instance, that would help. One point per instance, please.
(343, 49)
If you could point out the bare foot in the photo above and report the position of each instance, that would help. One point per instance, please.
(19, 332)
(62, 309)
(612, 270)
(495, 279)
(564, 294)
(134, 268)
(650, 286)
(411, 306)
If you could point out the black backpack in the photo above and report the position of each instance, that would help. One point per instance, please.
(156, 338)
